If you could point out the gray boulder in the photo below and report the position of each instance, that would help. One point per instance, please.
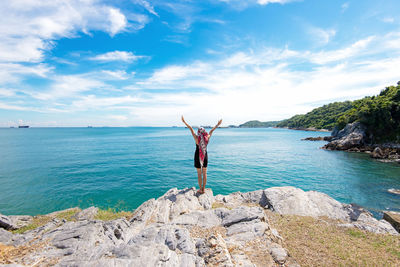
(292, 200)
(5, 236)
(352, 136)
(6, 222)
(19, 221)
(86, 214)
(393, 218)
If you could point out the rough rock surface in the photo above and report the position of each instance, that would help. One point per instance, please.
(183, 228)
(351, 136)
(393, 218)
(6, 223)
(86, 214)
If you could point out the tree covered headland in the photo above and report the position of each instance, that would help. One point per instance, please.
(324, 117)
(380, 114)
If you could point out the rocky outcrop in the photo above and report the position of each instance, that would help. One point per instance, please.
(6, 223)
(352, 136)
(183, 228)
(393, 218)
(86, 214)
(394, 191)
(318, 138)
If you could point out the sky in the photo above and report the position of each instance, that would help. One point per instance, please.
(146, 63)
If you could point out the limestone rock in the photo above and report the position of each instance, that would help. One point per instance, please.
(394, 191)
(291, 200)
(86, 214)
(242, 214)
(20, 221)
(393, 218)
(377, 153)
(5, 236)
(183, 228)
(353, 135)
(6, 223)
(279, 254)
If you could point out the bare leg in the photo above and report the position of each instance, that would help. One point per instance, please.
(199, 179)
(204, 179)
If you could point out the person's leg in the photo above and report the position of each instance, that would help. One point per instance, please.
(204, 179)
(199, 178)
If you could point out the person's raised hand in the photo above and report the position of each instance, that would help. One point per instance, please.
(219, 122)
(183, 119)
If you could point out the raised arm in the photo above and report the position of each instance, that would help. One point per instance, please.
(215, 127)
(190, 128)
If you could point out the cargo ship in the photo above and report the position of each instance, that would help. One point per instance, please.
(23, 126)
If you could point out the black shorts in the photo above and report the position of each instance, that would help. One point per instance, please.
(197, 160)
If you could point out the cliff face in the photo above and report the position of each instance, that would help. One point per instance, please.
(182, 228)
(354, 138)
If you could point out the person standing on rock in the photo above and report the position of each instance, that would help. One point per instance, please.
(200, 156)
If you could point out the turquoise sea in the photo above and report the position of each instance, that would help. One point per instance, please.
(48, 169)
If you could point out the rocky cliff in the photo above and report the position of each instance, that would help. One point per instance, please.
(353, 138)
(182, 228)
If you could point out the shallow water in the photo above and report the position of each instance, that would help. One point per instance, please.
(48, 169)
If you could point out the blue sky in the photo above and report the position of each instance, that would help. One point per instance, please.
(144, 63)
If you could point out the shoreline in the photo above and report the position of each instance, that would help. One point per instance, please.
(306, 129)
(183, 228)
(23, 218)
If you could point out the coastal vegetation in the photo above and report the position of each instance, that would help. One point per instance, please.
(70, 215)
(112, 214)
(324, 117)
(259, 124)
(379, 114)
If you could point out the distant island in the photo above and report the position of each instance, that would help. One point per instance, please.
(259, 124)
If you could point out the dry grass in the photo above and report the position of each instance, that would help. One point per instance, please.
(11, 254)
(41, 220)
(201, 232)
(111, 214)
(314, 242)
(217, 205)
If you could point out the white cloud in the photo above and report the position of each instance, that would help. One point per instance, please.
(6, 92)
(321, 36)
(147, 6)
(118, 21)
(241, 4)
(345, 6)
(388, 19)
(14, 73)
(266, 2)
(264, 85)
(117, 56)
(28, 28)
(118, 74)
(356, 49)
(68, 86)
(118, 117)
(94, 102)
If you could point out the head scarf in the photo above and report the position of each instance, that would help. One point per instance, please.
(202, 136)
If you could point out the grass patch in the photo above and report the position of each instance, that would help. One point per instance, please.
(41, 220)
(67, 215)
(313, 242)
(37, 221)
(217, 205)
(111, 214)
